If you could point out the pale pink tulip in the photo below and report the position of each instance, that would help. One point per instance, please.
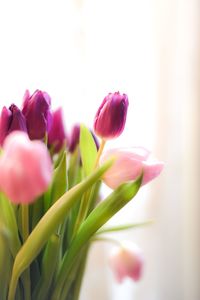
(26, 168)
(129, 164)
(127, 261)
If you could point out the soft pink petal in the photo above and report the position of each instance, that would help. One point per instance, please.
(151, 170)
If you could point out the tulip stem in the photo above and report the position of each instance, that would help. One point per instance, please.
(25, 222)
(102, 145)
(25, 234)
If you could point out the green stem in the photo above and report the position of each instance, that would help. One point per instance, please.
(102, 145)
(25, 234)
(25, 222)
(97, 218)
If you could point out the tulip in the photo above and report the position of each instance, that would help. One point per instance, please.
(11, 119)
(57, 136)
(26, 168)
(127, 261)
(111, 116)
(36, 109)
(129, 164)
(74, 138)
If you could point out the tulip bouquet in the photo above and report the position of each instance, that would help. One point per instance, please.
(50, 206)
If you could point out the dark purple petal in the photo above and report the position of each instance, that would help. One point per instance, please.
(4, 123)
(18, 121)
(57, 136)
(11, 119)
(37, 113)
(74, 138)
(110, 118)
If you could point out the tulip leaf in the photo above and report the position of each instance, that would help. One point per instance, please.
(123, 227)
(88, 150)
(5, 261)
(59, 182)
(7, 214)
(49, 264)
(48, 224)
(96, 219)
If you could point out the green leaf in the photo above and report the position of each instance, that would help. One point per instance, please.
(97, 218)
(7, 216)
(59, 182)
(123, 227)
(48, 224)
(5, 261)
(88, 150)
(49, 264)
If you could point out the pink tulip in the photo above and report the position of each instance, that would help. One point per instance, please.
(26, 168)
(129, 164)
(127, 261)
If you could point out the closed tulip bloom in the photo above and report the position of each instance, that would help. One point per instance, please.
(57, 136)
(36, 109)
(111, 116)
(26, 168)
(11, 119)
(74, 138)
(129, 164)
(127, 261)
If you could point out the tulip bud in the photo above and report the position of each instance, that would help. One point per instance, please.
(74, 138)
(129, 164)
(11, 119)
(127, 261)
(57, 136)
(36, 109)
(26, 168)
(111, 116)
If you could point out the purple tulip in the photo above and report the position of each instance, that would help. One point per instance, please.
(36, 109)
(57, 136)
(11, 119)
(111, 116)
(74, 138)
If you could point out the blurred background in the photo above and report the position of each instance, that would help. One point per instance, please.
(78, 51)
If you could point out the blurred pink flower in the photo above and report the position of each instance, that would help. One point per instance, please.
(129, 164)
(127, 261)
(110, 118)
(26, 168)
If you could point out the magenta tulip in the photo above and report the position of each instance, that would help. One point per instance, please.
(129, 164)
(11, 119)
(110, 118)
(74, 138)
(57, 136)
(36, 109)
(26, 168)
(127, 261)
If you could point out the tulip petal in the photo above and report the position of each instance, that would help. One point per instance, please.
(151, 170)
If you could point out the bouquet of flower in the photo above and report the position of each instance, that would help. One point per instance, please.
(50, 208)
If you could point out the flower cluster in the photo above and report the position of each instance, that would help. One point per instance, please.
(52, 178)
